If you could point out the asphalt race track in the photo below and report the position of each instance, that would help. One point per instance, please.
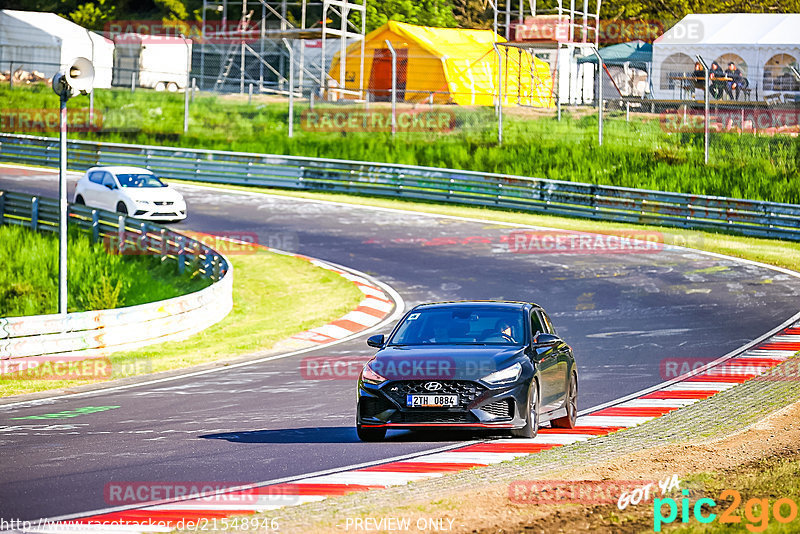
(623, 314)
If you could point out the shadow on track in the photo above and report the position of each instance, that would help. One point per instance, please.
(337, 434)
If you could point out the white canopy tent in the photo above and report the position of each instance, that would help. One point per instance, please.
(46, 42)
(763, 46)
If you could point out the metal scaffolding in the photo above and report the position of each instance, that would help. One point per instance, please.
(571, 31)
(251, 51)
(579, 22)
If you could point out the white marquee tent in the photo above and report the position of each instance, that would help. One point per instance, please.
(46, 42)
(763, 46)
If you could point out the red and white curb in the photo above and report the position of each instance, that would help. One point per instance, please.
(724, 373)
(375, 306)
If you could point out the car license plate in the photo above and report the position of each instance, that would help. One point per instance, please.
(426, 401)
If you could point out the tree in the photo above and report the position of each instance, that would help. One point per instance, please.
(437, 13)
(473, 14)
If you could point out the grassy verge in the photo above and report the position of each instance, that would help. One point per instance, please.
(759, 485)
(97, 280)
(784, 254)
(639, 153)
(274, 297)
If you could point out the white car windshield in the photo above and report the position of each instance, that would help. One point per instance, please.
(459, 326)
(140, 180)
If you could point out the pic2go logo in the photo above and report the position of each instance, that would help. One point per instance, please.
(756, 511)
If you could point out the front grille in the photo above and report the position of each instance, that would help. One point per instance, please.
(503, 408)
(370, 407)
(466, 390)
(163, 203)
(433, 417)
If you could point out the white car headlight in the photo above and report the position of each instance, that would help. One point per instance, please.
(509, 374)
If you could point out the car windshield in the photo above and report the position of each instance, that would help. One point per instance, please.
(461, 326)
(140, 180)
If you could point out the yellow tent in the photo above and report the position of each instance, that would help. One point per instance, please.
(454, 65)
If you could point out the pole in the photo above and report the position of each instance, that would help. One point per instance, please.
(62, 207)
(203, 46)
(707, 83)
(291, 86)
(194, 88)
(250, 94)
(499, 95)
(133, 81)
(186, 87)
(394, 85)
(600, 67)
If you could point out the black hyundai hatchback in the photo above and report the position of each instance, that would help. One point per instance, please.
(480, 365)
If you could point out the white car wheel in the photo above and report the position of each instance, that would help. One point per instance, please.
(160, 86)
(172, 87)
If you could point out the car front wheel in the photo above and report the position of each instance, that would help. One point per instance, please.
(121, 208)
(79, 200)
(532, 416)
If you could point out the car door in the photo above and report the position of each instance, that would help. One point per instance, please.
(93, 189)
(560, 367)
(109, 192)
(546, 359)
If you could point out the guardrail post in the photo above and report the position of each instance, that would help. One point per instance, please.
(2, 207)
(121, 234)
(143, 238)
(207, 262)
(34, 214)
(195, 262)
(181, 256)
(163, 234)
(95, 226)
(217, 266)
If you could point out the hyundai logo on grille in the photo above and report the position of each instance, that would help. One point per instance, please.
(433, 386)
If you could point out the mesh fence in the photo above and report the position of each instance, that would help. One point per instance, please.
(544, 102)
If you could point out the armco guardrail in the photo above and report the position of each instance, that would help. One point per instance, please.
(84, 334)
(748, 217)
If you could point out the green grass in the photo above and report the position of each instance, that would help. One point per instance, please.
(637, 154)
(766, 481)
(274, 297)
(97, 279)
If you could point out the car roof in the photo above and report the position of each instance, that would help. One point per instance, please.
(476, 303)
(120, 169)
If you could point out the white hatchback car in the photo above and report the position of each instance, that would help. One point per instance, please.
(131, 191)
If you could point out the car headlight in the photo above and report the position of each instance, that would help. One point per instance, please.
(371, 377)
(509, 374)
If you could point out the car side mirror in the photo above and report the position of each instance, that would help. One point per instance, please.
(376, 341)
(110, 186)
(545, 340)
